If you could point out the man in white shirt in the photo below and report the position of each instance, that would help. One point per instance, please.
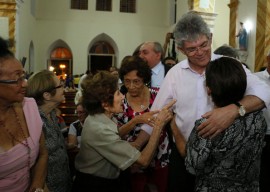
(152, 53)
(186, 83)
(265, 158)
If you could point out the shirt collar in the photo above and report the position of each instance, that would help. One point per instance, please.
(157, 68)
(266, 74)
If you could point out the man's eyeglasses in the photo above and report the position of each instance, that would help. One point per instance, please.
(20, 80)
(193, 50)
(135, 82)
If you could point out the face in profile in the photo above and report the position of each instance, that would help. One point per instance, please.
(12, 72)
(59, 88)
(148, 54)
(117, 103)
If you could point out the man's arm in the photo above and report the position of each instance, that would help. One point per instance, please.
(256, 97)
(180, 140)
(221, 118)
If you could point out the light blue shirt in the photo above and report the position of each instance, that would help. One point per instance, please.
(158, 73)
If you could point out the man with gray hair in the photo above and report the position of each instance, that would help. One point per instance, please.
(265, 158)
(186, 84)
(152, 53)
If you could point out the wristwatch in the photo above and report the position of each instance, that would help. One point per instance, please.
(241, 110)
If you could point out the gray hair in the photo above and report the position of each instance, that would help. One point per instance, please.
(189, 28)
(157, 47)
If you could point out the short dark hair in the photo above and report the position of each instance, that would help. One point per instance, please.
(98, 89)
(226, 78)
(227, 51)
(135, 63)
(5, 53)
(168, 58)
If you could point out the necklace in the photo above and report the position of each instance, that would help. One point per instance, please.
(25, 144)
(142, 106)
(142, 103)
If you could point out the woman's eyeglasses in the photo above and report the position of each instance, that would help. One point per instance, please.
(136, 82)
(59, 86)
(19, 81)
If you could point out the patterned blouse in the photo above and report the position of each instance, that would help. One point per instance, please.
(162, 155)
(58, 176)
(230, 161)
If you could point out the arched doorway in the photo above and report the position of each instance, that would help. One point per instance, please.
(61, 62)
(101, 56)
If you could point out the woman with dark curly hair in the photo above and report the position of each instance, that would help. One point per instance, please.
(103, 153)
(136, 74)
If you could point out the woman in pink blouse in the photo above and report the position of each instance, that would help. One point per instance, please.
(23, 156)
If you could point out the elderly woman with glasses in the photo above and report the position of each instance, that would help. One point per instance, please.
(136, 74)
(23, 155)
(103, 153)
(48, 91)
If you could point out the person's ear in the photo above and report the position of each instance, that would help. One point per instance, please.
(46, 96)
(211, 37)
(106, 106)
(159, 55)
(208, 91)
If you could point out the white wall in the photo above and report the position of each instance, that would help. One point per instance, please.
(247, 12)
(222, 22)
(54, 20)
(25, 32)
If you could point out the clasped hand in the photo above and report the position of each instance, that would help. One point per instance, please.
(160, 117)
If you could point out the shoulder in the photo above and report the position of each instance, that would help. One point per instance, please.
(30, 104)
(29, 100)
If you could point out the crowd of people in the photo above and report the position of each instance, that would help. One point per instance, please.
(202, 124)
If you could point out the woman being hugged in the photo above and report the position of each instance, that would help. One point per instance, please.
(48, 92)
(103, 153)
(23, 155)
(230, 160)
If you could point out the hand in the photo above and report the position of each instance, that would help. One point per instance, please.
(169, 105)
(148, 117)
(168, 37)
(165, 115)
(217, 121)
